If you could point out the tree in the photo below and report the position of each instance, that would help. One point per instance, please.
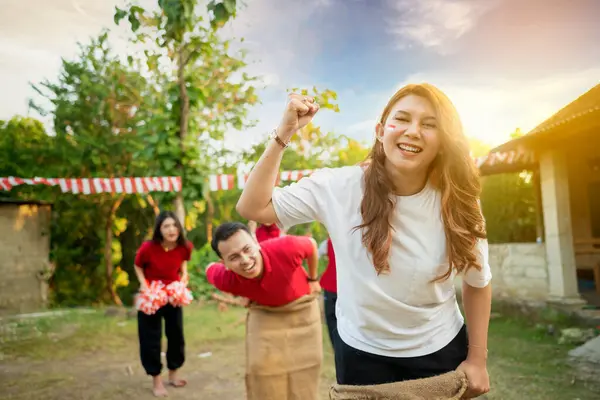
(509, 206)
(221, 11)
(516, 134)
(206, 89)
(96, 109)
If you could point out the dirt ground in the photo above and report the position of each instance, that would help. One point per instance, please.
(95, 356)
(119, 376)
(214, 369)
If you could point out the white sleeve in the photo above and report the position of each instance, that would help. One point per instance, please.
(480, 279)
(304, 201)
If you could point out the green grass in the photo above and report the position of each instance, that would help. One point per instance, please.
(63, 336)
(525, 362)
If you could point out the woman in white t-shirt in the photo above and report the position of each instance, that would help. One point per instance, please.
(403, 225)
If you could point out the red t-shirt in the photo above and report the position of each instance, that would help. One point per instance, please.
(265, 232)
(159, 264)
(329, 278)
(284, 279)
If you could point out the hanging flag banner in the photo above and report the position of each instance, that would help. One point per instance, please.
(230, 181)
(100, 185)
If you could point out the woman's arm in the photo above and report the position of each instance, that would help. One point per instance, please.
(139, 272)
(255, 201)
(477, 303)
(184, 272)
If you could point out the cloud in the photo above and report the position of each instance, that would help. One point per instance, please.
(275, 36)
(35, 36)
(358, 129)
(434, 24)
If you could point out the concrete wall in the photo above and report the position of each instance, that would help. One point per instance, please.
(24, 249)
(519, 271)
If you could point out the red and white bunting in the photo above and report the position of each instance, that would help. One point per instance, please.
(100, 185)
(228, 181)
(506, 158)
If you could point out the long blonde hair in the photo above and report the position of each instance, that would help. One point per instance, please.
(453, 173)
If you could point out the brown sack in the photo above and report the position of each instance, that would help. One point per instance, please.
(284, 351)
(449, 386)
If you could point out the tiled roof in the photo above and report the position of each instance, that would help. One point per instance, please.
(586, 104)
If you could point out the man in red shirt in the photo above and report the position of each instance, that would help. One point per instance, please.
(284, 339)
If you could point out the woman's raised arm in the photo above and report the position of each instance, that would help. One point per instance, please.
(255, 201)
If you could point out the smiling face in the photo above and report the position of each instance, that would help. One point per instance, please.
(410, 135)
(241, 254)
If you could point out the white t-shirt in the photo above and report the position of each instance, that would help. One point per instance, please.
(398, 314)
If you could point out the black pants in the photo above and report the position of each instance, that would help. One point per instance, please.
(329, 300)
(150, 334)
(355, 367)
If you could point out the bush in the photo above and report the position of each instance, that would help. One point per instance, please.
(200, 259)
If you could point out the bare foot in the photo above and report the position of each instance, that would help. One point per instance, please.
(174, 381)
(158, 388)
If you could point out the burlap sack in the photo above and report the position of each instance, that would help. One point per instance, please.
(284, 351)
(449, 386)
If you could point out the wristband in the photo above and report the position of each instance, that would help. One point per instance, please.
(278, 139)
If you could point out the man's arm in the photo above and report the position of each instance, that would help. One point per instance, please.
(312, 260)
(309, 251)
(223, 279)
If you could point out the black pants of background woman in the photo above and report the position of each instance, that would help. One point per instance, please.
(355, 367)
(150, 335)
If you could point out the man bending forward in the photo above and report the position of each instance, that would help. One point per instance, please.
(283, 333)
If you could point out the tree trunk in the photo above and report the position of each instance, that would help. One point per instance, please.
(108, 251)
(154, 204)
(210, 212)
(183, 129)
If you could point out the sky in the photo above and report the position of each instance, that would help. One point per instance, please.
(505, 64)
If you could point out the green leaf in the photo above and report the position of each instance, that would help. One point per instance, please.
(119, 15)
(134, 21)
(230, 6)
(220, 15)
(168, 165)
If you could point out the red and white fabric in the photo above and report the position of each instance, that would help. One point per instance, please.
(230, 181)
(100, 185)
(157, 295)
(151, 299)
(178, 294)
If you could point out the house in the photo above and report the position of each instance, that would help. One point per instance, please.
(563, 153)
(24, 252)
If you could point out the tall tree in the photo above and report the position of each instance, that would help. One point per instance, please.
(95, 108)
(208, 92)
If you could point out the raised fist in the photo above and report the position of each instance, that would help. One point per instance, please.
(299, 111)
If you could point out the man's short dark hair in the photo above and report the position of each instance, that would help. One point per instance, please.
(224, 232)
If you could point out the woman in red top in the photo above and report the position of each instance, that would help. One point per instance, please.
(267, 231)
(164, 258)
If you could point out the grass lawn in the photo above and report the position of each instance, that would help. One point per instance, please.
(92, 356)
